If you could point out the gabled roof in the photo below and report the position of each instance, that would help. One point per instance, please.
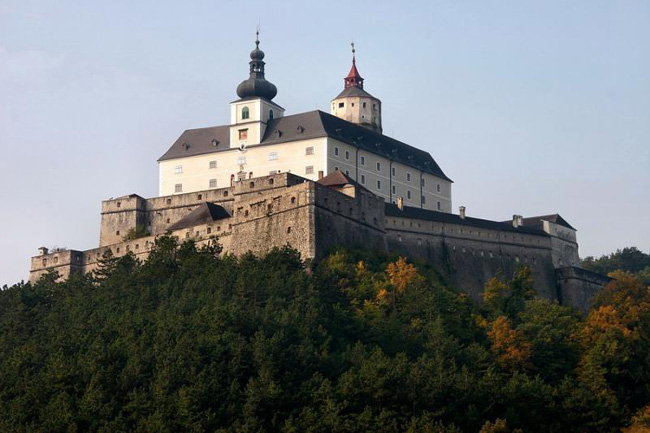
(338, 178)
(443, 217)
(204, 214)
(554, 218)
(303, 126)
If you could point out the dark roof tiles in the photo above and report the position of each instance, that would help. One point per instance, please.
(205, 213)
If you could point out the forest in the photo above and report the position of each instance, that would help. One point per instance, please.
(194, 341)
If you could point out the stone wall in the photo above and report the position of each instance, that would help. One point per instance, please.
(577, 286)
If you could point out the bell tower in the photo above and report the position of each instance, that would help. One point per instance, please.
(355, 104)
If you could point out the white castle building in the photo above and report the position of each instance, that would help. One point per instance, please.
(261, 140)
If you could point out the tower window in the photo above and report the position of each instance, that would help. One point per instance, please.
(213, 183)
(178, 187)
(341, 104)
(336, 151)
(309, 169)
(408, 194)
(394, 190)
(347, 154)
(273, 156)
(438, 187)
(178, 169)
(379, 184)
(353, 104)
(213, 164)
(309, 150)
(439, 206)
(408, 177)
(393, 171)
(363, 179)
(270, 114)
(374, 107)
(422, 182)
(363, 105)
(245, 113)
(243, 134)
(363, 160)
(423, 200)
(379, 166)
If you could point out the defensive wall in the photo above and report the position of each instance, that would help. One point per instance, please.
(284, 209)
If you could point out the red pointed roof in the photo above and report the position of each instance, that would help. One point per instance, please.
(354, 78)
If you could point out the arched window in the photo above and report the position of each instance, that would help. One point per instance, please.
(270, 114)
(245, 113)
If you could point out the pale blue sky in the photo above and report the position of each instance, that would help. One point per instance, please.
(531, 107)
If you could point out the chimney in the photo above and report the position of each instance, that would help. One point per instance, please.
(320, 174)
(42, 251)
(400, 203)
(461, 212)
(517, 220)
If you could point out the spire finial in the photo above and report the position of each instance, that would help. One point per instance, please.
(354, 56)
(257, 35)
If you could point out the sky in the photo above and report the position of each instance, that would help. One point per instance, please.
(531, 107)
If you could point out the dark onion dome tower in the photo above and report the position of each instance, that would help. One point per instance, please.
(355, 104)
(256, 86)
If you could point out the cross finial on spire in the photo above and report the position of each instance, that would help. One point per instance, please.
(257, 35)
(354, 56)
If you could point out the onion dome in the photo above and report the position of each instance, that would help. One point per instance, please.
(256, 85)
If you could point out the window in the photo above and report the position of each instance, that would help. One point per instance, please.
(178, 187)
(117, 233)
(363, 105)
(352, 104)
(439, 206)
(347, 172)
(213, 164)
(379, 166)
(178, 169)
(309, 150)
(241, 160)
(336, 151)
(347, 155)
(213, 183)
(270, 114)
(438, 187)
(309, 169)
(119, 204)
(408, 177)
(374, 107)
(394, 190)
(423, 200)
(379, 184)
(408, 195)
(336, 169)
(243, 134)
(273, 156)
(363, 179)
(245, 113)
(363, 160)
(341, 104)
(393, 171)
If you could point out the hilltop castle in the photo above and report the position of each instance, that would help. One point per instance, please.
(315, 181)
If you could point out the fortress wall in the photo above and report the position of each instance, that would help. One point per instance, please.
(119, 216)
(274, 218)
(577, 287)
(65, 262)
(342, 220)
(470, 256)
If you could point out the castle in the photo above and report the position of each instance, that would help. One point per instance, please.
(316, 181)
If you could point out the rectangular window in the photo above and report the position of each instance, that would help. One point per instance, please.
(178, 169)
(439, 206)
(393, 171)
(422, 182)
(394, 190)
(213, 164)
(347, 155)
(273, 156)
(241, 160)
(336, 151)
(309, 150)
(379, 166)
(408, 177)
(341, 104)
(243, 134)
(379, 184)
(213, 183)
(178, 187)
(423, 200)
(408, 195)
(364, 105)
(363, 160)
(363, 179)
(309, 169)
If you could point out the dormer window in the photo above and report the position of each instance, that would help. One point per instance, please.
(245, 113)
(270, 114)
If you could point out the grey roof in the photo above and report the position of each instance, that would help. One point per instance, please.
(431, 215)
(354, 91)
(204, 214)
(554, 218)
(303, 126)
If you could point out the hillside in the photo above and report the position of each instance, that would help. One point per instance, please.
(190, 341)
